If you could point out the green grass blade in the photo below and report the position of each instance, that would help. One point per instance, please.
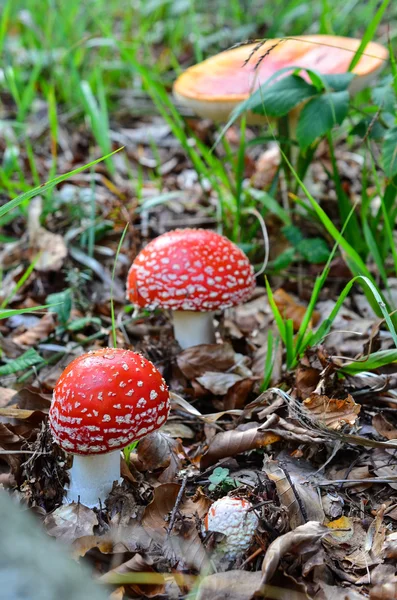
(369, 33)
(114, 335)
(44, 187)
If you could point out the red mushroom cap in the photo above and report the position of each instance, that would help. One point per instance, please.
(106, 399)
(190, 269)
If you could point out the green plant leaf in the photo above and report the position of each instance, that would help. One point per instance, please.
(389, 153)
(373, 361)
(62, 304)
(293, 234)
(218, 475)
(314, 250)
(338, 82)
(281, 97)
(319, 115)
(44, 187)
(384, 97)
(26, 360)
(283, 260)
(369, 34)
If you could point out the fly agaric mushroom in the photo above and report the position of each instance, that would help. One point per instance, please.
(193, 272)
(103, 401)
(234, 518)
(213, 88)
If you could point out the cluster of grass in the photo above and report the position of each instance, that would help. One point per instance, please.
(82, 58)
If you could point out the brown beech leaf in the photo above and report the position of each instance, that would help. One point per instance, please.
(38, 332)
(390, 546)
(301, 501)
(5, 396)
(218, 383)
(230, 443)
(33, 416)
(50, 247)
(290, 309)
(70, 522)
(84, 544)
(184, 541)
(154, 451)
(306, 380)
(385, 591)
(124, 574)
(164, 498)
(233, 585)
(384, 427)
(361, 472)
(195, 361)
(332, 413)
(178, 430)
(238, 393)
(160, 451)
(302, 539)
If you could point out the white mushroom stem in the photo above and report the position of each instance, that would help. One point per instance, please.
(193, 328)
(92, 478)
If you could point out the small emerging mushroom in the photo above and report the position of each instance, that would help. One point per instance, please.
(193, 272)
(103, 401)
(214, 87)
(234, 518)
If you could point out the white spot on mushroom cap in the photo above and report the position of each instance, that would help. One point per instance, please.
(192, 254)
(87, 432)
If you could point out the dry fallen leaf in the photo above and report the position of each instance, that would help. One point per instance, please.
(160, 451)
(387, 591)
(50, 247)
(70, 522)
(303, 539)
(84, 544)
(301, 501)
(5, 396)
(233, 585)
(124, 574)
(290, 309)
(384, 427)
(230, 443)
(183, 541)
(37, 333)
(332, 413)
(218, 383)
(195, 361)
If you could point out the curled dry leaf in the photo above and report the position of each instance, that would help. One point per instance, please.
(303, 539)
(233, 585)
(301, 501)
(290, 309)
(218, 383)
(160, 451)
(195, 361)
(387, 591)
(38, 332)
(384, 427)
(230, 443)
(352, 546)
(184, 540)
(332, 413)
(50, 247)
(390, 546)
(70, 522)
(84, 544)
(6, 395)
(154, 451)
(141, 567)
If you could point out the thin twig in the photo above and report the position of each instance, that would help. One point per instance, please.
(176, 507)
